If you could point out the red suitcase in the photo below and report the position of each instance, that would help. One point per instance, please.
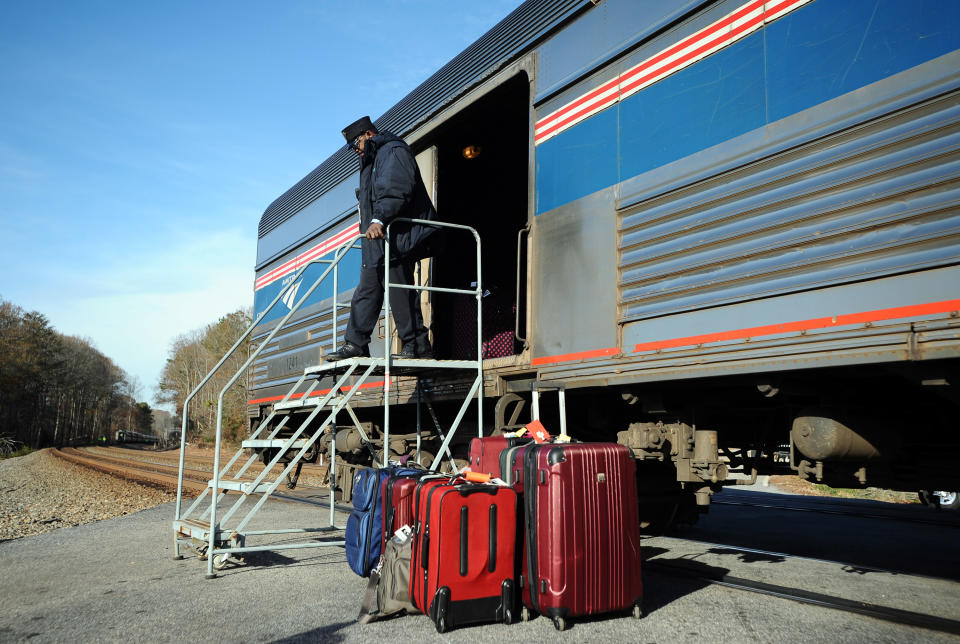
(465, 554)
(582, 531)
(484, 453)
(397, 495)
(511, 466)
(420, 497)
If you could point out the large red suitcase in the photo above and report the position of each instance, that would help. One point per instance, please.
(420, 497)
(484, 453)
(582, 531)
(465, 554)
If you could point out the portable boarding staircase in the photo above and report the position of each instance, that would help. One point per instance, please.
(207, 533)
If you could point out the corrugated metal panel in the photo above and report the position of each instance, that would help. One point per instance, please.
(516, 33)
(879, 199)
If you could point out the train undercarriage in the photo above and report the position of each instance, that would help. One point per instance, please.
(890, 426)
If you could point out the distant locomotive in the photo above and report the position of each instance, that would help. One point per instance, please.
(719, 224)
(128, 436)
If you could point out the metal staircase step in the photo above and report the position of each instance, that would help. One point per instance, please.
(276, 443)
(240, 486)
(194, 528)
(298, 404)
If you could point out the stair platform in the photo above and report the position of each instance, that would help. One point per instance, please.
(398, 366)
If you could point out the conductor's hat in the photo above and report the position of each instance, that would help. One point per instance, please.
(357, 128)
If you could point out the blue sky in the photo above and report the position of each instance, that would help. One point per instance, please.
(141, 141)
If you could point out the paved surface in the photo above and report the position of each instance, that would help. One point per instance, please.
(115, 581)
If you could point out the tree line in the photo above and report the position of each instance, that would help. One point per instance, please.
(57, 389)
(192, 356)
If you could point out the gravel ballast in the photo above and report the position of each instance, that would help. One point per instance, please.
(40, 492)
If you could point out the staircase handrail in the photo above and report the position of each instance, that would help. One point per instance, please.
(338, 253)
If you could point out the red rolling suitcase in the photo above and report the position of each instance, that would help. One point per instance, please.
(420, 497)
(582, 531)
(464, 554)
(484, 453)
(397, 495)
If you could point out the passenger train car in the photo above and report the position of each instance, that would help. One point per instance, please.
(721, 225)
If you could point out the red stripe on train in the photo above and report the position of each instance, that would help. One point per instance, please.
(313, 394)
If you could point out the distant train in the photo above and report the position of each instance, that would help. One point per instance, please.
(128, 436)
(721, 225)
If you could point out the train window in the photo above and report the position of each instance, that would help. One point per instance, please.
(482, 168)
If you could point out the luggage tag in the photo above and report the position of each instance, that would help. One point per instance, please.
(402, 535)
(539, 432)
(481, 477)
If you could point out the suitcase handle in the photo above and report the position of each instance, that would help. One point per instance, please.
(535, 388)
(466, 490)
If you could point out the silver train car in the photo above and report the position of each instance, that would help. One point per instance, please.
(722, 226)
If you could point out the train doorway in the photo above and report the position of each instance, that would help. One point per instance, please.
(482, 168)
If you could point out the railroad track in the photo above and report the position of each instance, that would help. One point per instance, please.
(894, 615)
(309, 470)
(164, 476)
(194, 480)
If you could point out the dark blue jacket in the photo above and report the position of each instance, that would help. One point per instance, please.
(391, 187)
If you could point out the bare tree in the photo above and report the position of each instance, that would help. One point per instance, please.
(192, 356)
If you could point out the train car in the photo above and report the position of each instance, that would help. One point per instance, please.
(722, 225)
(129, 436)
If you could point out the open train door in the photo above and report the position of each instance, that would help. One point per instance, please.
(427, 162)
(482, 156)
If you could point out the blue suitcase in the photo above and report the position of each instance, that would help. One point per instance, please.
(365, 525)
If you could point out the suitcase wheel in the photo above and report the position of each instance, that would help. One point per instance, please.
(441, 624)
(637, 611)
(524, 614)
(560, 623)
(508, 617)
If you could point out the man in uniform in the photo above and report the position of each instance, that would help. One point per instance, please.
(390, 187)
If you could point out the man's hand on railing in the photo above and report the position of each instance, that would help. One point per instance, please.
(374, 231)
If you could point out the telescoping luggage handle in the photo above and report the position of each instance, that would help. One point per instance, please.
(535, 389)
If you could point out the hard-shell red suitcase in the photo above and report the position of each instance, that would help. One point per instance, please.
(484, 453)
(465, 552)
(511, 466)
(582, 531)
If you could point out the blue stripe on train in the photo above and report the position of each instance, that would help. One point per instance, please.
(821, 51)
(349, 275)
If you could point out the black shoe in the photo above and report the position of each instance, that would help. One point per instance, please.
(418, 349)
(409, 351)
(346, 351)
(424, 350)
